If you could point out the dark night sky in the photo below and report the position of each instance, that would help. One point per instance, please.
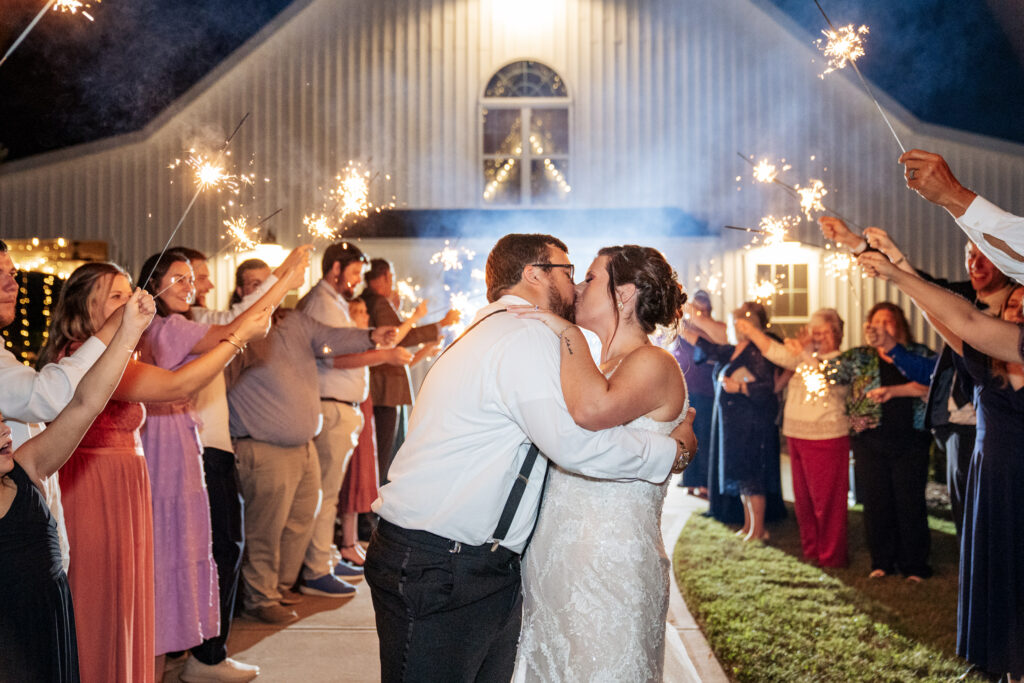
(74, 81)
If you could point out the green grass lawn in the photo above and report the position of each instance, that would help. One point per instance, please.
(769, 616)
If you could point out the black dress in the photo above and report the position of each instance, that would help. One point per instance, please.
(990, 624)
(37, 622)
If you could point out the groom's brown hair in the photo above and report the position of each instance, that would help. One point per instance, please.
(511, 254)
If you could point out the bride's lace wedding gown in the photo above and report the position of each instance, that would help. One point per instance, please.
(596, 580)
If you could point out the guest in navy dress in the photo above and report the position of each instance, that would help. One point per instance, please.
(745, 436)
(700, 383)
(990, 626)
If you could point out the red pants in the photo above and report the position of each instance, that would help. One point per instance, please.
(821, 481)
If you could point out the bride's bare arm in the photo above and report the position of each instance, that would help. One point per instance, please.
(648, 378)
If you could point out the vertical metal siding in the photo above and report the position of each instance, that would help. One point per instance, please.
(664, 92)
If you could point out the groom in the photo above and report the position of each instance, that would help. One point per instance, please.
(443, 565)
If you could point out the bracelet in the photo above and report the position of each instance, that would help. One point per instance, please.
(684, 458)
(230, 339)
(900, 260)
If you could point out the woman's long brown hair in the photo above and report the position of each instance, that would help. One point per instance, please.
(75, 318)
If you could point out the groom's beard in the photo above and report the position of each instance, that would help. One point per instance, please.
(559, 306)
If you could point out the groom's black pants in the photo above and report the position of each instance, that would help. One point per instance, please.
(445, 612)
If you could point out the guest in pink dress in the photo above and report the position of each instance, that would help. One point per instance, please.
(107, 496)
(187, 599)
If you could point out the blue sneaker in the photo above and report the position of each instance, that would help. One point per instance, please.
(344, 569)
(328, 586)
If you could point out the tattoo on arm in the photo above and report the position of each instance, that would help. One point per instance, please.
(568, 346)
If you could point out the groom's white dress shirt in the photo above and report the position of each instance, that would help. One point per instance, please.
(479, 408)
(982, 219)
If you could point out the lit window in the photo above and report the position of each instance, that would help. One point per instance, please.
(792, 294)
(525, 155)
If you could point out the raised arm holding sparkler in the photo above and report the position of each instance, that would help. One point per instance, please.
(998, 233)
(951, 314)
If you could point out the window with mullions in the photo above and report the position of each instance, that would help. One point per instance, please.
(792, 296)
(525, 156)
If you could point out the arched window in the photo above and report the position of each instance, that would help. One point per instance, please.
(525, 136)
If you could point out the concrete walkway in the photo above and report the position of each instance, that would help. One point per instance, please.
(335, 641)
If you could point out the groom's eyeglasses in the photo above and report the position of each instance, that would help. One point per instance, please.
(571, 267)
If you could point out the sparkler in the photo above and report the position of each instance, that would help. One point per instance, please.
(810, 198)
(767, 174)
(775, 229)
(318, 226)
(347, 201)
(241, 236)
(714, 282)
(188, 208)
(65, 6)
(845, 45)
(408, 296)
(763, 291)
(352, 193)
(815, 382)
(238, 232)
(28, 29)
(209, 174)
(839, 265)
(73, 6)
(449, 257)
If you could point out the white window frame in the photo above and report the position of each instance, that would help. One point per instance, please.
(786, 254)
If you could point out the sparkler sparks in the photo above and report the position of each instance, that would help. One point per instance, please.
(776, 230)
(241, 235)
(461, 301)
(408, 296)
(450, 257)
(209, 173)
(763, 291)
(712, 282)
(839, 265)
(74, 6)
(318, 226)
(847, 49)
(810, 198)
(844, 46)
(815, 382)
(352, 193)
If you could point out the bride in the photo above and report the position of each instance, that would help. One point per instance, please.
(596, 577)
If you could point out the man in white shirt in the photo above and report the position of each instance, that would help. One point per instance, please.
(29, 398)
(209, 660)
(998, 234)
(343, 384)
(444, 563)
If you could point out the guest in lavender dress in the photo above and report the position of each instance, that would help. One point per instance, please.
(187, 596)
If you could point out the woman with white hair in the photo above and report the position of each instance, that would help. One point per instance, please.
(816, 430)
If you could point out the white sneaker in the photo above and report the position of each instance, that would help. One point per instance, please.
(227, 671)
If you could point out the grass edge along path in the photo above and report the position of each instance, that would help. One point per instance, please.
(770, 617)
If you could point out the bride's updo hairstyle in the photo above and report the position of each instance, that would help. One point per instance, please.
(659, 296)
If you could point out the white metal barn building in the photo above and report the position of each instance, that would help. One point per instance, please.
(642, 106)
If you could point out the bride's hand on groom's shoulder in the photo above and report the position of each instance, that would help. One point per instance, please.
(555, 323)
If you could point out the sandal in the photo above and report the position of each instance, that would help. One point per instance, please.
(877, 574)
(356, 555)
(914, 579)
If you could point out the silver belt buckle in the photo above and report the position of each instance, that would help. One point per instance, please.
(455, 547)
